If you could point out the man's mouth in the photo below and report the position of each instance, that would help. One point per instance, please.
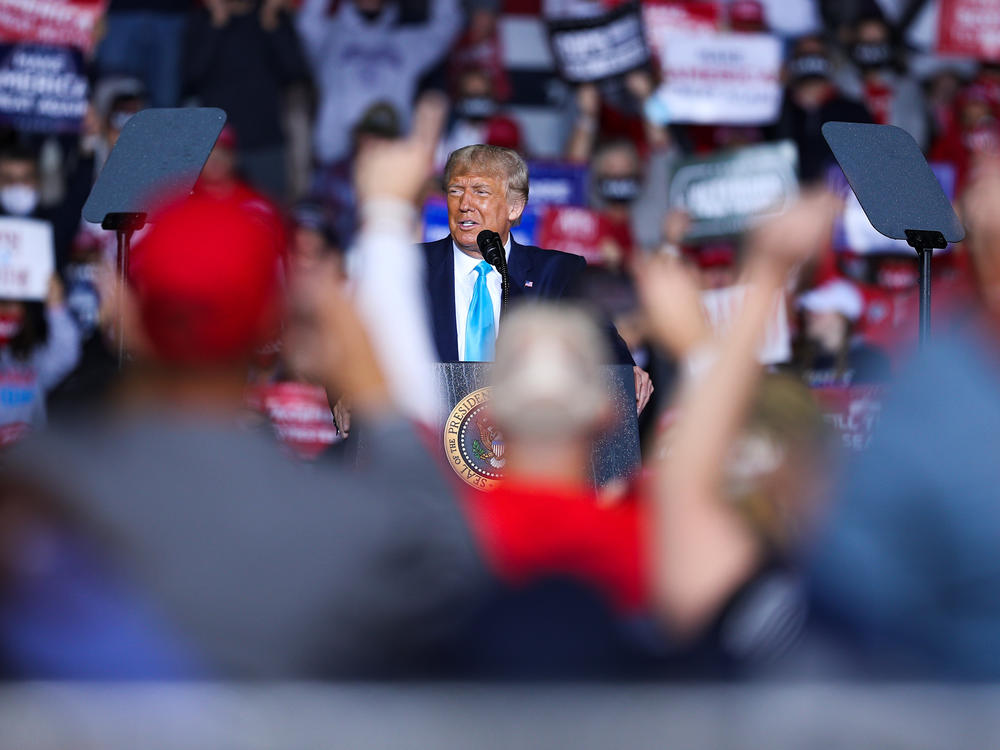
(467, 224)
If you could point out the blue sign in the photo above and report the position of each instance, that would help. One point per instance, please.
(557, 184)
(43, 89)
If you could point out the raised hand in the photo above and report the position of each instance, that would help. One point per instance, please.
(398, 170)
(671, 301)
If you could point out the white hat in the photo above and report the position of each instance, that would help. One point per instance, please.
(834, 296)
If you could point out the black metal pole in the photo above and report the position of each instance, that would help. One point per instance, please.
(124, 237)
(925, 253)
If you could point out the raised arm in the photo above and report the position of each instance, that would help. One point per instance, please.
(702, 551)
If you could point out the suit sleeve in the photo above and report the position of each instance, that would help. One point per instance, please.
(620, 354)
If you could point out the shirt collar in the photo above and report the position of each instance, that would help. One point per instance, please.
(466, 264)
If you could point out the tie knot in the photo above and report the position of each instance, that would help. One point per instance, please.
(483, 268)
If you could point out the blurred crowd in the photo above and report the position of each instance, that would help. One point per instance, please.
(229, 465)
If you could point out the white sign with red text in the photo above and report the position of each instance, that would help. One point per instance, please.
(719, 79)
(27, 259)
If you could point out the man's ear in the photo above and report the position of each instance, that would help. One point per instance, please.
(515, 209)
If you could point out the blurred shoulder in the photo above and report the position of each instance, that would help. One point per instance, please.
(556, 259)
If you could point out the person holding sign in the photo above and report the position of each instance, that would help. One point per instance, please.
(39, 346)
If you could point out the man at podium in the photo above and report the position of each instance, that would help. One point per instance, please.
(487, 188)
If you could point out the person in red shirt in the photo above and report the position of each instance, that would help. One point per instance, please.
(546, 519)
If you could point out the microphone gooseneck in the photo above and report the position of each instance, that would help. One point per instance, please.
(493, 253)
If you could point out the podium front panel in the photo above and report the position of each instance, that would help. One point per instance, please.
(474, 447)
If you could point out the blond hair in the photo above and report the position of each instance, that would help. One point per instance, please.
(498, 161)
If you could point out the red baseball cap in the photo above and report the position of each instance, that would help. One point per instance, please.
(206, 279)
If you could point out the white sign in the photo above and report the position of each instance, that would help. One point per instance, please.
(723, 306)
(721, 78)
(27, 259)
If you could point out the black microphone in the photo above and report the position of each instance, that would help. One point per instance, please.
(492, 249)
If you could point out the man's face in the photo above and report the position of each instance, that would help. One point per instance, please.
(477, 202)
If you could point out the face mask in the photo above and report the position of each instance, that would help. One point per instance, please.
(809, 66)
(475, 107)
(10, 326)
(618, 189)
(19, 200)
(871, 55)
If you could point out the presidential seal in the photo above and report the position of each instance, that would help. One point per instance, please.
(472, 442)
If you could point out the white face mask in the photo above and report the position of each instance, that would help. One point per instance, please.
(19, 200)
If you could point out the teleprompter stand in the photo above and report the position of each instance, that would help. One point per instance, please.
(159, 155)
(899, 194)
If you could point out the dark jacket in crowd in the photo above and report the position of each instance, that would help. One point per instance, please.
(804, 128)
(243, 69)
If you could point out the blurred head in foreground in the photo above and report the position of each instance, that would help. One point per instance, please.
(775, 471)
(205, 286)
(550, 398)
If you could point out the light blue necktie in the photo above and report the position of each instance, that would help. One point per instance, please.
(480, 330)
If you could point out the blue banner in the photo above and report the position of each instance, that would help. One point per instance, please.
(43, 89)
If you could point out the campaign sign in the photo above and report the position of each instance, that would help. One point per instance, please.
(591, 49)
(854, 232)
(723, 306)
(300, 414)
(969, 28)
(59, 22)
(27, 259)
(691, 16)
(725, 192)
(556, 183)
(42, 89)
(435, 219)
(720, 79)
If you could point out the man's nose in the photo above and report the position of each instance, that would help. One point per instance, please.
(465, 204)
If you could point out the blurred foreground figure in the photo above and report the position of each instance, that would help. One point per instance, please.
(909, 559)
(172, 541)
(736, 486)
(569, 562)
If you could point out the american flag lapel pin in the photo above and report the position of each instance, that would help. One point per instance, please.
(529, 283)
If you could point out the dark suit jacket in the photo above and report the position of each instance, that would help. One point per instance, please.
(534, 274)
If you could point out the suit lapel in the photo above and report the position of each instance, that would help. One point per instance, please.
(441, 292)
(519, 268)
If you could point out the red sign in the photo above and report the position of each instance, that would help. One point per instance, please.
(64, 23)
(582, 232)
(678, 15)
(300, 414)
(969, 28)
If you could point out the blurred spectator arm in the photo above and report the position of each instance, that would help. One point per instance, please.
(428, 43)
(703, 550)
(390, 289)
(55, 359)
(313, 25)
(201, 44)
(286, 48)
(583, 136)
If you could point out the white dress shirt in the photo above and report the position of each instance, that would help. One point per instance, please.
(465, 284)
